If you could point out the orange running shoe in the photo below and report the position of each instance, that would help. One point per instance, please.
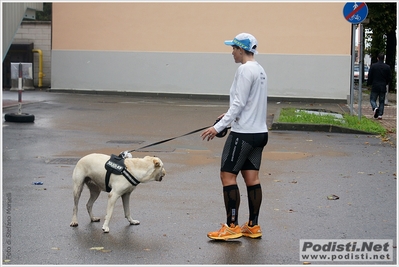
(252, 232)
(226, 232)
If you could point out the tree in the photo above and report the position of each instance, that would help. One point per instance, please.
(382, 26)
(46, 14)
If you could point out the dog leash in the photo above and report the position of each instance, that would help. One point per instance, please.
(167, 140)
(125, 154)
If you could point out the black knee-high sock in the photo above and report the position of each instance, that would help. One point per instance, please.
(231, 196)
(254, 202)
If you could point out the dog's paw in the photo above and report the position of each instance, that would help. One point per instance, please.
(73, 224)
(105, 229)
(95, 219)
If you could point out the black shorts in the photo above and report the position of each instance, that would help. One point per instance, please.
(243, 151)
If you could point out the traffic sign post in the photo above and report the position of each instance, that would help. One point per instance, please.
(353, 51)
(356, 13)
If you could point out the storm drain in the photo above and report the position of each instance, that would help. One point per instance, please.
(63, 161)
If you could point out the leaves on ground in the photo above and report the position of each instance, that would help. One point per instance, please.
(101, 249)
(332, 197)
(96, 248)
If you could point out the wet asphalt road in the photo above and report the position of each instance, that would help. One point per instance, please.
(299, 171)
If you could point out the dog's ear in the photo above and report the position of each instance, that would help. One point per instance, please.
(156, 162)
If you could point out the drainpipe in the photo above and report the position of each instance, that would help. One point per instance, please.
(41, 75)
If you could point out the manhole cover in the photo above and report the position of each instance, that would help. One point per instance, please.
(65, 161)
(125, 142)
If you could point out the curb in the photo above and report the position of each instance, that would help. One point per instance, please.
(315, 128)
(286, 126)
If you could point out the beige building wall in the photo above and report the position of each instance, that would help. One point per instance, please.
(179, 47)
(281, 28)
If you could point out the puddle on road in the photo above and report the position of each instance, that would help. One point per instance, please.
(330, 153)
(115, 151)
(276, 155)
(192, 157)
(180, 158)
(107, 151)
(196, 157)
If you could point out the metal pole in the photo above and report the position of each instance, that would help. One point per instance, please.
(352, 68)
(361, 69)
(19, 88)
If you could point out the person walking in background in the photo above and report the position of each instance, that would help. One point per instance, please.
(379, 77)
(243, 148)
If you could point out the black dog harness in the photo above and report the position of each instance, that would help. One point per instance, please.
(116, 165)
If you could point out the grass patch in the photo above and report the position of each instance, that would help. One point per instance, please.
(293, 115)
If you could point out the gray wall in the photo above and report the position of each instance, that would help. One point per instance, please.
(290, 76)
(13, 13)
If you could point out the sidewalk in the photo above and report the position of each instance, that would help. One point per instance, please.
(389, 119)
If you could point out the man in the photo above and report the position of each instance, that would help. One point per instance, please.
(242, 151)
(379, 77)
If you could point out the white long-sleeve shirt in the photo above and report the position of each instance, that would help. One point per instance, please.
(248, 101)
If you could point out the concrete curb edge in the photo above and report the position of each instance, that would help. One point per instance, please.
(286, 126)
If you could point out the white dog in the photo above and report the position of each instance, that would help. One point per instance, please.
(90, 170)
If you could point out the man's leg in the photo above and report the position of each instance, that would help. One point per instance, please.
(373, 102)
(381, 100)
(254, 190)
(231, 195)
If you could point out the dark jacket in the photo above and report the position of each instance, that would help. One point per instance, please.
(379, 76)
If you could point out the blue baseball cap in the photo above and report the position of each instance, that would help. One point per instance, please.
(244, 40)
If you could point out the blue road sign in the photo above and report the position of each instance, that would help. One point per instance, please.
(355, 12)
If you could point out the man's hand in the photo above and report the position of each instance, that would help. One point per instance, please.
(209, 133)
